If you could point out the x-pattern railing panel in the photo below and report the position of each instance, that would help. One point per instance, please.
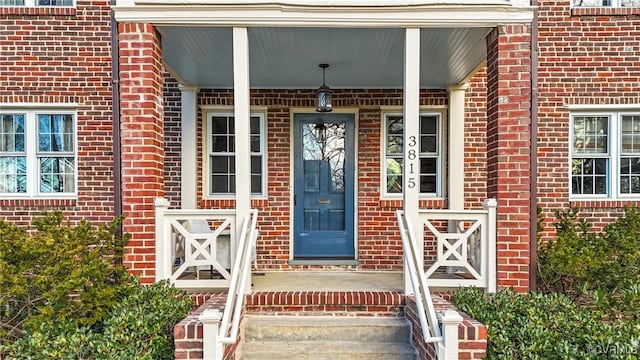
(460, 246)
(453, 248)
(190, 241)
(199, 248)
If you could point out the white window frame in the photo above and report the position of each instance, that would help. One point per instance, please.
(612, 4)
(34, 3)
(32, 153)
(440, 159)
(206, 174)
(614, 154)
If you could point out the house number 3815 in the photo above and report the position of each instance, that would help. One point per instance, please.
(411, 156)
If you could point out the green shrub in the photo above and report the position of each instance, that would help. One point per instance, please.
(539, 326)
(140, 327)
(57, 272)
(596, 269)
(65, 295)
(59, 340)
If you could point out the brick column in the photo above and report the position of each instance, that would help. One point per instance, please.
(508, 148)
(141, 116)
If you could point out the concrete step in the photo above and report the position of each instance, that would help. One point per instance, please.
(321, 350)
(325, 337)
(323, 328)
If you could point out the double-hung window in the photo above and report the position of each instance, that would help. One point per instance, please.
(38, 153)
(605, 3)
(221, 168)
(605, 155)
(430, 154)
(33, 3)
(630, 155)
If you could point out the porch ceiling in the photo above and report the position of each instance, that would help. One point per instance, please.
(288, 57)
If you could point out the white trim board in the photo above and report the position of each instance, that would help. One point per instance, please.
(475, 14)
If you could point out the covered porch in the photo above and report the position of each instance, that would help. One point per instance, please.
(406, 59)
(429, 121)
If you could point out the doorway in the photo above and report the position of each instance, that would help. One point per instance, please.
(324, 164)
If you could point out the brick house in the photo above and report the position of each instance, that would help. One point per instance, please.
(213, 112)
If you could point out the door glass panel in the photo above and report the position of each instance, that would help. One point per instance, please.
(324, 143)
(323, 156)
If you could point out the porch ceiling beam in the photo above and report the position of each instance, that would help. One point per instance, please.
(278, 15)
(343, 3)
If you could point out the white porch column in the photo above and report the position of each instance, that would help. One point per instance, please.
(411, 141)
(242, 131)
(188, 149)
(456, 146)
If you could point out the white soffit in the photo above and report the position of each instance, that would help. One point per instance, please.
(289, 57)
(362, 40)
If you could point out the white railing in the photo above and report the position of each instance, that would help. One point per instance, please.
(215, 332)
(446, 342)
(426, 311)
(465, 246)
(194, 241)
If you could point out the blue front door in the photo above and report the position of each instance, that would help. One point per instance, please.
(323, 186)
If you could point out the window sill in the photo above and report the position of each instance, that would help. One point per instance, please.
(430, 203)
(231, 203)
(37, 202)
(605, 11)
(602, 203)
(38, 10)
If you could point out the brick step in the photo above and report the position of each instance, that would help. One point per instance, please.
(325, 337)
(379, 303)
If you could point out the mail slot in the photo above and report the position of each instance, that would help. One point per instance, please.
(324, 201)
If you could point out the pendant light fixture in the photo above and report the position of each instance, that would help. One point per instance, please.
(324, 94)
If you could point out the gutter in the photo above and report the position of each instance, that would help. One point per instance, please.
(533, 214)
(115, 116)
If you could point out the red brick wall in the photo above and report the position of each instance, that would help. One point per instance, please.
(472, 335)
(141, 84)
(172, 140)
(475, 146)
(53, 55)
(379, 246)
(188, 333)
(508, 148)
(587, 56)
(79, 72)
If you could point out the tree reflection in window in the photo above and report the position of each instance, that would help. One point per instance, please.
(55, 153)
(13, 160)
(630, 155)
(429, 154)
(327, 145)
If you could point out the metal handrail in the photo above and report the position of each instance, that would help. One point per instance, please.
(428, 320)
(239, 276)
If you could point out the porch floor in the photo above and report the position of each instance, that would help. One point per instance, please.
(327, 281)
